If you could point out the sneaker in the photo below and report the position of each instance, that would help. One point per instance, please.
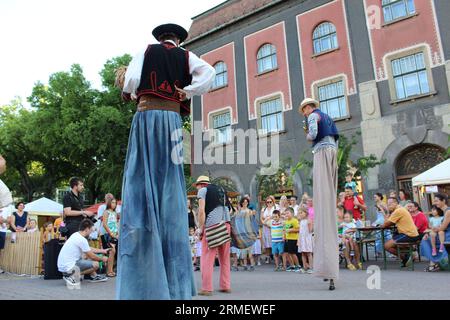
(290, 269)
(197, 269)
(298, 269)
(2, 271)
(259, 263)
(98, 278)
(69, 280)
(360, 265)
(245, 268)
(405, 260)
(235, 268)
(252, 268)
(309, 271)
(441, 248)
(409, 262)
(433, 252)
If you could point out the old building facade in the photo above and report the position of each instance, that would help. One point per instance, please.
(378, 66)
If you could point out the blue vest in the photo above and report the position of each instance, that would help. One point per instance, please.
(326, 127)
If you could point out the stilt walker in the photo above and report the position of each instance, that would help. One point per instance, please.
(154, 252)
(323, 134)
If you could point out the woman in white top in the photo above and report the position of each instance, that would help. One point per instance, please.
(266, 214)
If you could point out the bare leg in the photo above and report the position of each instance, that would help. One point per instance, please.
(277, 260)
(294, 259)
(305, 261)
(433, 240)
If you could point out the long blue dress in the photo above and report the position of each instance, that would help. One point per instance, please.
(154, 254)
(426, 249)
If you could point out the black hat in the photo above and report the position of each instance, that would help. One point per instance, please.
(179, 31)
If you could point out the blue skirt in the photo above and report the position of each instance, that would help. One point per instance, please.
(154, 261)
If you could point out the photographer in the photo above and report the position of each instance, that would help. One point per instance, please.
(77, 253)
(73, 208)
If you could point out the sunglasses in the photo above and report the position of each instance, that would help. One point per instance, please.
(269, 202)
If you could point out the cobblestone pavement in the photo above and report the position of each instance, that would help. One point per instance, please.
(263, 283)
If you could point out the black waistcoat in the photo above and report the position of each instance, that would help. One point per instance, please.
(165, 66)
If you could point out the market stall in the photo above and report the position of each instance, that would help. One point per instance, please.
(434, 180)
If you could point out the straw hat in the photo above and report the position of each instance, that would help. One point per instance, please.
(201, 179)
(308, 101)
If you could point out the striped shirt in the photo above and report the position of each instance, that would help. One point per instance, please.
(276, 230)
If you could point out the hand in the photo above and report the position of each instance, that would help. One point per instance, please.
(89, 213)
(425, 237)
(2, 165)
(105, 259)
(182, 95)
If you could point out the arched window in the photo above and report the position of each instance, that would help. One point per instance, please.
(221, 79)
(267, 58)
(324, 37)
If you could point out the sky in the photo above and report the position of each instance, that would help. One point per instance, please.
(38, 38)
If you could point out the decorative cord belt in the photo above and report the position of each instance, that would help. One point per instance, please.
(151, 103)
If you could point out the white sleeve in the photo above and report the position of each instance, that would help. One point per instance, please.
(84, 245)
(133, 74)
(203, 76)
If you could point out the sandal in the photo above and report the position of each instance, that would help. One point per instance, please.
(434, 268)
(111, 275)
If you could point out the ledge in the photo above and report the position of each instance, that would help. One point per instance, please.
(386, 24)
(266, 72)
(342, 118)
(324, 52)
(218, 88)
(268, 135)
(413, 98)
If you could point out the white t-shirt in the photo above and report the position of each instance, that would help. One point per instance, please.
(72, 251)
(5, 213)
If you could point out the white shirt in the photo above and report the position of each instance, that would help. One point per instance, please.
(72, 251)
(5, 213)
(202, 75)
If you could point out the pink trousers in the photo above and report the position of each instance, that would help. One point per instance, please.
(207, 264)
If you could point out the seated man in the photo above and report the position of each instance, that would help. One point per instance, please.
(71, 255)
(407, 230)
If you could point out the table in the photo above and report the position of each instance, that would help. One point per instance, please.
(368, 231)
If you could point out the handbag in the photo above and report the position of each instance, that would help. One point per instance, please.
(217, 235)
(5, 195)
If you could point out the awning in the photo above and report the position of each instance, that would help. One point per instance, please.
(44, 207)
(439, 174)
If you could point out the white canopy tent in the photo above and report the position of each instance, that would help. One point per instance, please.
(439, 174)
(44, 207)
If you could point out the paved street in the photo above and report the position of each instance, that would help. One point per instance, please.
(262, 284)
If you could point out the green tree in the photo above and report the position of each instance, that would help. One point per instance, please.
(359, 167)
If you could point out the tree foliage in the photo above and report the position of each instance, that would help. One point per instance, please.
(359, 167)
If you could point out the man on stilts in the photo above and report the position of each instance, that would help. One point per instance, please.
(154, 252)
(323, 134)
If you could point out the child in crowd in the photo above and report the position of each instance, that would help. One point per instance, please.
(256, 250)
(247, 253)
(276, 228)
(192, 243)
(349, 183)
(348, 238)
(437, 216)
(291, 228)
(305, 240)
(33, 226)
(49, 232)
(235, 253)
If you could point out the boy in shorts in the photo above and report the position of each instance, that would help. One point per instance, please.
(276, 227)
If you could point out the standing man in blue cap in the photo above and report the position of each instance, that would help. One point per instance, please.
(154, 253)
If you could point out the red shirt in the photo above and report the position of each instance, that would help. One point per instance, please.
(421, 222)
(349, 205)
